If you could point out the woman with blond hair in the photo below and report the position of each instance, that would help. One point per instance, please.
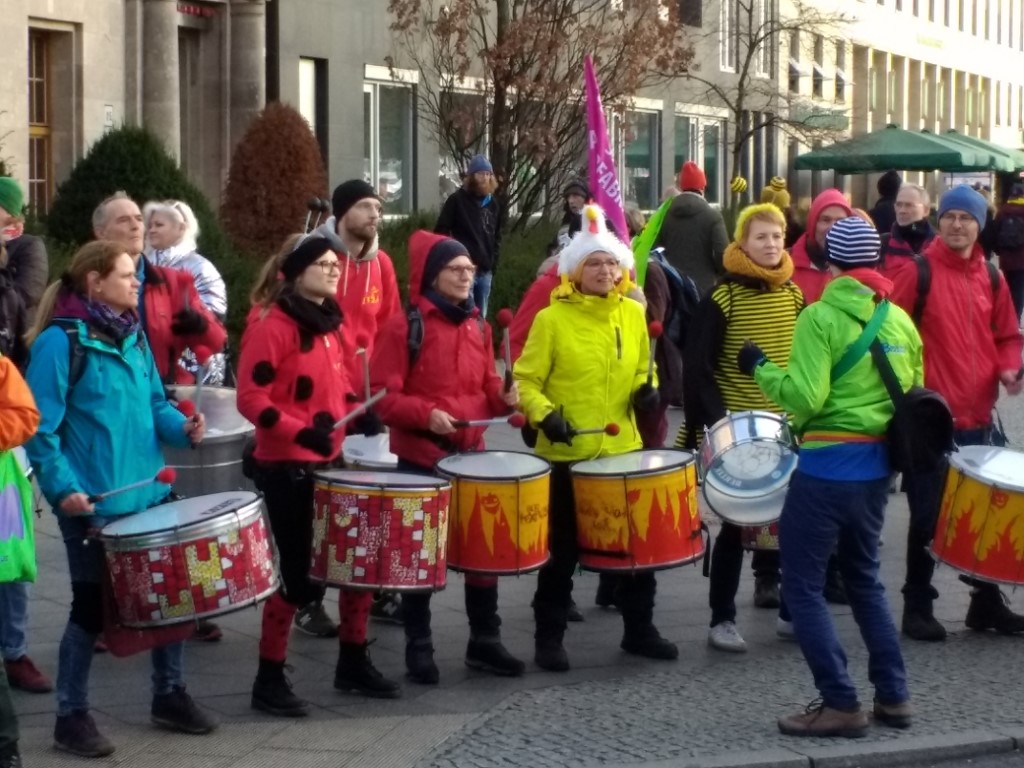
(96, 383)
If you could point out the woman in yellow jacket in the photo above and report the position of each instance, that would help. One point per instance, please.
(585, 365)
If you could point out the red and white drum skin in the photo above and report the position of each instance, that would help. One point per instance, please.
(380, 530)
(189, 559)
(755, 537)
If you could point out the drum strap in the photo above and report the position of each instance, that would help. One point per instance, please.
(860, 347)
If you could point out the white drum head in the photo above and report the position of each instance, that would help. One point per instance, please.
(634, 463)
(370, 452)
(989, 465)
(494, 465)
(181, 513)
(752, 469)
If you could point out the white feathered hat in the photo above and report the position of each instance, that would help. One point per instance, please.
(593, 237)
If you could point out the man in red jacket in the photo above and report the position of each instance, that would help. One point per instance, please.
(810, 270)
(962, 313)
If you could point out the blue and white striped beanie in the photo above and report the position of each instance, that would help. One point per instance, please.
(852, 242)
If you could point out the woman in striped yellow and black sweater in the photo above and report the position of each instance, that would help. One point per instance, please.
(756, 300)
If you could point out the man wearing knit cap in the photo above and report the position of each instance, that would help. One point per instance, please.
(693, 233)
(368, 296)
(884, 212)
(471, 215)
(972, 344)
(837, 495)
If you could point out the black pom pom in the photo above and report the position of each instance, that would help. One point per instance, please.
(305, 341)
(323, 420)
(268, 418)
(303, 388)
(263, 373)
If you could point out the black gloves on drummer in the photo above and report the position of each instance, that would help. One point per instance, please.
(646, 398)
(318, 438)
(749, 357)
(367, 423)
(556, 429)
(188, 322)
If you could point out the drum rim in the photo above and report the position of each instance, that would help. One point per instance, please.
(118, 542)
(707, 469)
(575, 472)
(956, 463)
(324, 478)
(732, 520)
(545, 472)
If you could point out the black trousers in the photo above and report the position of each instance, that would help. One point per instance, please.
(554, 582)
(727, 567)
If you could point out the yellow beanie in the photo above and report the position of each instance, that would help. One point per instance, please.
(776, 186)
(750, 210)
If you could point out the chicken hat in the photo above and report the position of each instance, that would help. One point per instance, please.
(593, 237)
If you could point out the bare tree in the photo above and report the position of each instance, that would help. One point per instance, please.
(508, 75)
(758, 33)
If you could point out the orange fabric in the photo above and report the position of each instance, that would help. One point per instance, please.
(19, 417)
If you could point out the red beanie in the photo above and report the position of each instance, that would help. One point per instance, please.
(691, 177)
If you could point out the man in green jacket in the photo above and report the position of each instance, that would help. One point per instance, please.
(840, 488)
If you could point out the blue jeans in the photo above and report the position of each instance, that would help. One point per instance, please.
(482, 291)
(13, 618)
(74, 660)
(817, 514)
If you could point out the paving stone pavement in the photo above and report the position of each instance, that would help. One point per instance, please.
(706, 709)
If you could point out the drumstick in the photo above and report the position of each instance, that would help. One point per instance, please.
(516, 420)
(611, 429)
(166, 475)
(189, 410)
(504, 319)
(654, 330)
(359, 409)
(203, 355)
(362, 342)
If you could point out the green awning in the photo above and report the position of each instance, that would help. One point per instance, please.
(1010, 159)
(894, 147)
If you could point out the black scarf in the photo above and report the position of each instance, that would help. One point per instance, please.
(456, 313)
(314, 318)
(915, 234)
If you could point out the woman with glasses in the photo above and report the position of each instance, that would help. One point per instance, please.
(437, 363)
(585, 364)
(293, 387)
(171, 232)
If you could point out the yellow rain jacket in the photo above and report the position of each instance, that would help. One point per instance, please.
(585, 355)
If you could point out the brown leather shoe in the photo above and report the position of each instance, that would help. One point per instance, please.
(24, 675)
(819, 720)
(894, 715)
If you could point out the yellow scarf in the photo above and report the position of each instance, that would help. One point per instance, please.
(736, 261)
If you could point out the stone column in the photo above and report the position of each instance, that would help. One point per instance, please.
(248, 63)
(161, 98)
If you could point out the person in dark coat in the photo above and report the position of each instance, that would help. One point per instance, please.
(884, 212)
(27, 262)
(574, 196)
(693, 233)
(471, 215)
(1008, 247)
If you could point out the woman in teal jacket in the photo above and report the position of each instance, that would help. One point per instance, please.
(840, 488)
(104, 415)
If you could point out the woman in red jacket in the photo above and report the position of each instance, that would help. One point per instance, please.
(452, 377)
(292, 386)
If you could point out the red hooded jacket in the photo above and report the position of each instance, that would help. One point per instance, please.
(969, 335)
(454, 372)
(810, 279)
(166, 292)
(536, 298)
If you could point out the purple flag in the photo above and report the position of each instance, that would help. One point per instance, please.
(600, 161)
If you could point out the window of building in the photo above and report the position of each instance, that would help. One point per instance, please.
(931, 10)
(999, 104)
(1009, 24)
(639, 140)
(915, 8)
(728, 31)
(691, 13)
(699, 138)
(764, 30)
(713, 135)
(795, 70)
(999, 22)
(818, 78)
(389, 119)
(899, 5)
(40, 147)
(986, 19)
(840, 94)
(313, 99)
(974, 18)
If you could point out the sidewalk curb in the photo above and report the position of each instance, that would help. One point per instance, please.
(912, 751)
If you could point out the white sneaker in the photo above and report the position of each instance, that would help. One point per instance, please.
(725, 637)
(784, 629)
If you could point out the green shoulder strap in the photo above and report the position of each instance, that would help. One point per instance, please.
(860, 347)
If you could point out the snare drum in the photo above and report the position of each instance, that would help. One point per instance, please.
(499, 512)
(982, 515)
(637, 511)
(380, 530)
(215, 464)
(362, 452)
(746, 461)
(760, 537)
(189, 559)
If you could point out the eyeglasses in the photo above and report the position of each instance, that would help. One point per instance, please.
(461, 271)
(952, 218)
(329, 266)
(597, 265)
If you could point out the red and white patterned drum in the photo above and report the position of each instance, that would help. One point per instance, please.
(189, 559)
(756, 537)
(380, 530)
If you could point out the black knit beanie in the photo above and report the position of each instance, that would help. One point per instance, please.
(348, 194)
(442, 252)
(304, 254)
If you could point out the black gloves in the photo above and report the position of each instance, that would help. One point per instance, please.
(646, 398)
(367, 423)
(556, 429)
(316, 439)
(529, 435)
(188, 322)
(749, 357)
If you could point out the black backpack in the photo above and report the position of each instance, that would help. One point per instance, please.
(414, 336)
(1010, 234)
(684, 298)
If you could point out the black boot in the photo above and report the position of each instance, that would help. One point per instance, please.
(355, 672)
(919, 623)
(419, 661)
(607, 591)
(549, 654)
(272, 692)
(486, 653)
(990, 609)
(647, 641)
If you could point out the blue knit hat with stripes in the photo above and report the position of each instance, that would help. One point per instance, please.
(852, 242)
